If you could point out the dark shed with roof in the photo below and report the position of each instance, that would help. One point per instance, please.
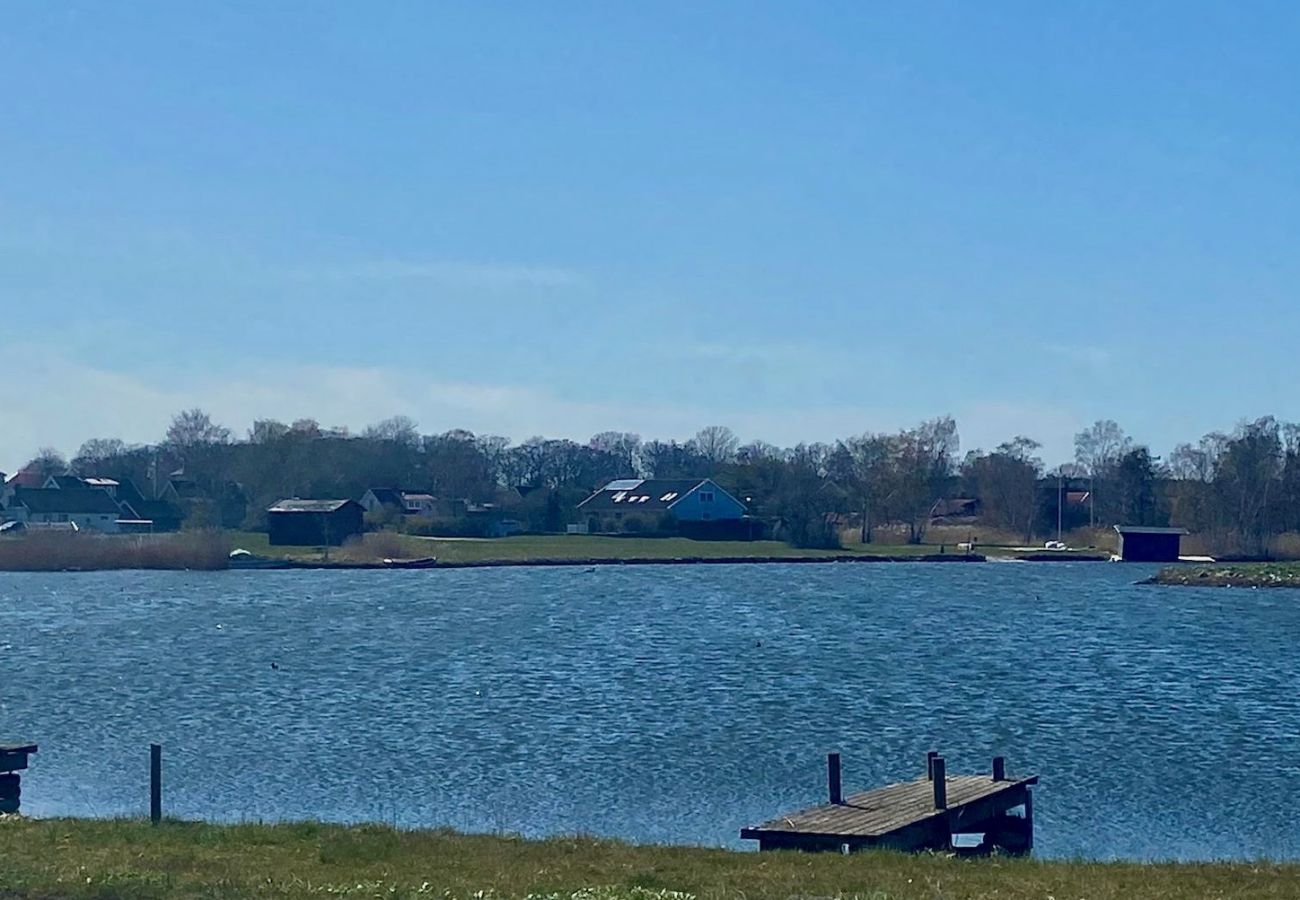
(1143, 544)
(313, 523)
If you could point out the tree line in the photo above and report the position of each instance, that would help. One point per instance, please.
(1241, 488)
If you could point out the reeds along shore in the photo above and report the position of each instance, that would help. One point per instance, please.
(62, 551)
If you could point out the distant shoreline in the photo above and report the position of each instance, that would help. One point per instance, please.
(287, 564)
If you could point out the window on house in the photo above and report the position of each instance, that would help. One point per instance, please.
(706, 496)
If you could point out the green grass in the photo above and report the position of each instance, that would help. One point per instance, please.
(1279, 574)
(582, 546)
(129, 860)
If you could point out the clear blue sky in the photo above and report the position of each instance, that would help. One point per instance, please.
(800, 220)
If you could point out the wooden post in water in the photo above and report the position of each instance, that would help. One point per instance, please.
(1029, 820)
(833, 778)
(999, 768)
(155, 783)
(834, 782)
(939, 774)
(929, 763)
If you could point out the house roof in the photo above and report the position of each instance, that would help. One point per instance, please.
(642, 495)
(96, 481)
(90, 501)
(26, 478)
(417, 495)
(155, 509)
(954, 506)
(185, 488)
(67, 482)
(310, 506)
(387, 496)
(127, 492)
(1143, 529)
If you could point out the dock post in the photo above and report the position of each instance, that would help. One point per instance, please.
(939, 773)
(929, 763)
(999, 768)
(155, 783)
(833, 778)
(11, 792)
(1029, 820)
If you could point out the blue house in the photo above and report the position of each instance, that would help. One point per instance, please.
(688, 500)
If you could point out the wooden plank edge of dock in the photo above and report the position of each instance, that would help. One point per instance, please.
(759, 832)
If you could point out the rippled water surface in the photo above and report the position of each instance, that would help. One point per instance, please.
(660, 703)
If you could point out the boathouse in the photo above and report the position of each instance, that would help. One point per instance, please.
(313, 523)
(1143, 544)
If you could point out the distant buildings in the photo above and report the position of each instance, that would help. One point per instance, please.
(687, 500)
(313, 523)
(1141, 544)
(85, 509)
(103, 505)
(411, 503)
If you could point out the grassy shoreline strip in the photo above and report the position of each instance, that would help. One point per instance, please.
(129, 860)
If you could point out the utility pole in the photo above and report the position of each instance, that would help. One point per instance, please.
(1060, 499)
(1092, 505)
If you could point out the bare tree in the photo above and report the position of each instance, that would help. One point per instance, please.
(1099, 447)
(717, 444)
(622, 446)
(1248, 472)
(1007, 480)
(306, 428)
(398, 429)
(95, 452)
(195, 428)
(866, 465)
(923, 461)
(266, 431)
(47, 462)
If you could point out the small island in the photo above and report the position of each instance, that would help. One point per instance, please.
(1244, 575)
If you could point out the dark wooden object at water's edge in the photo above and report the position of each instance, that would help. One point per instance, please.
(155, 783)
(13, 759)
(911, 816)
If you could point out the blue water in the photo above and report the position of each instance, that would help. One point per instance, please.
(671, 704)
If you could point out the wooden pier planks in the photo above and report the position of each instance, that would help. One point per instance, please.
(874, 816)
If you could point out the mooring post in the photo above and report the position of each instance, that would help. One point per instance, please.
(833, 778)
(929, 763)
(999, 768)
(939, 774)
(155, 783)
(1029, 820)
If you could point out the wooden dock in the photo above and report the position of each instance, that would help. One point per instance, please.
(13, 759)
(917, 815)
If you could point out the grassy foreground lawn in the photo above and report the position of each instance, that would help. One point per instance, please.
(1232, 575)
(128, 859)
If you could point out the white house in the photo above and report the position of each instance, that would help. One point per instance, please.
(376, 499)
(418, 503)
(689, 500)
(411, 503)
(88, 509)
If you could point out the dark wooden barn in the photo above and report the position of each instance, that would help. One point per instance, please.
(1142, 544)
(313, 523)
